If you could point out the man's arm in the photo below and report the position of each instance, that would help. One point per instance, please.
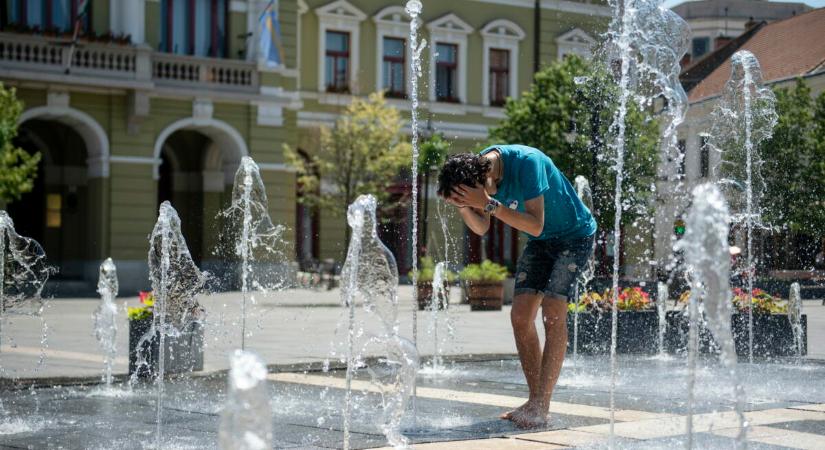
(531, 221)
(476, 220)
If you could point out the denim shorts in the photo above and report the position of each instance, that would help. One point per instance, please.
(553, 266)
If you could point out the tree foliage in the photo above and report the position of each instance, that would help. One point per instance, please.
(794, 169)
(18, 168)
(433, 153)
(567, 113)
(364, 153)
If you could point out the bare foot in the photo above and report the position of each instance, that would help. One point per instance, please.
(532, 415)
(509, 414)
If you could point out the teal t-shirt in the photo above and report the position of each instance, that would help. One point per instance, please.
(529, 173)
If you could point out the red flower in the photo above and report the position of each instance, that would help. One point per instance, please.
(145, 295)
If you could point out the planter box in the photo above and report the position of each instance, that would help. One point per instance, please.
(772, 335)
(485, 296)
(425, 293)
(637, 332)
(183, 353)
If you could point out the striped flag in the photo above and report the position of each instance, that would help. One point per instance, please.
(270, 39)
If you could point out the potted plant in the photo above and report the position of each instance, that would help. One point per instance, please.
(424, 286)
(485, 285)
(183, 353)
(637, 327)
(772, 330)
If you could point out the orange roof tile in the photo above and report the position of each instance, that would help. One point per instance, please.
(785, 49)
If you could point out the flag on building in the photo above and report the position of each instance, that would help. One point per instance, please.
(270, 48)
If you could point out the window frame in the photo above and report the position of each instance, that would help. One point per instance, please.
(501, 34)
(337, 54)
(449, 29)
(392, 22)
(217, 48)
(455, 66)
(393, 60)
(339, 15)
(48, 9)
(494, 100)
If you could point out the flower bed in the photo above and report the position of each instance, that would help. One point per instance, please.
(637, 327)
(772, 330)
(183, 353)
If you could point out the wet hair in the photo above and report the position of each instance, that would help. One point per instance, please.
(464, 168)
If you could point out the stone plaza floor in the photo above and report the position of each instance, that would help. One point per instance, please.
(457, 407)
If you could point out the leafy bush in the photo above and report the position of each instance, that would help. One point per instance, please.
(487, 271)
(142, 312)
(630, 299)
(426, 271)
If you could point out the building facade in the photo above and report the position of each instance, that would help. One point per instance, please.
(160, 99)
(782, 62)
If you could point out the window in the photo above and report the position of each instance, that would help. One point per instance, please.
(337, 61)
(194, 27)
(446, 73)
(394, 67)
(701, 45)
(704, 158)
(499, 76)
(49, 15)
(682, 147)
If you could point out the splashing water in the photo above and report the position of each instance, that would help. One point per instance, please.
(586, 195)
(648, 41)
(706, 252)
(246, 419)
(105, 317)
(257, 240)
(176, 282)
(795, 317)
(413, 9)
(23, 274)
(743, 118)
(662, 295)
(439, 302)
(370, 274)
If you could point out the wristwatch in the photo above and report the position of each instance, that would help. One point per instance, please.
(491, 206)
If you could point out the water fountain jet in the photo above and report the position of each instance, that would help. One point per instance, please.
(705, 244)
(246, 418)
(105, 317)
(743, 118)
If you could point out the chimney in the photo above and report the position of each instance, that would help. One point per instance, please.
(720, 42)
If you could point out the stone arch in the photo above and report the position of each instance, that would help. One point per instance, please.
(97, 142)
(230, 142)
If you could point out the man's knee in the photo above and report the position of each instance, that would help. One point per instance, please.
(523, 312)
(554, 312)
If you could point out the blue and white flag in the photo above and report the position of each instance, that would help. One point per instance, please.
(270, 29)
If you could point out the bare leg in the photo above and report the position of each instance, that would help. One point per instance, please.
(523, 319)
(554, 316)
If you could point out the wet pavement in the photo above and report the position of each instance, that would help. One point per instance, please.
(456, 408)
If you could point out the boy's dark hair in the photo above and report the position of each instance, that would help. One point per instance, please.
(464, 168)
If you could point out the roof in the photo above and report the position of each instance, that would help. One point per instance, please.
(785, 49)
(739, 9)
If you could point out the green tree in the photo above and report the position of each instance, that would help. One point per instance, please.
(570, 122)
(364, 153)
(794, 168)
(18, 168)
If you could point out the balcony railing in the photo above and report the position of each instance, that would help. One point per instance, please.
(31, 56)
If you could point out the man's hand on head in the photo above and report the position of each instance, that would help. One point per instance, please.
(473, 196)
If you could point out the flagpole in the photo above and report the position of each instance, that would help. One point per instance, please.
(75, 37)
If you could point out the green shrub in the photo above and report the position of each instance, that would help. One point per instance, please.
(487, 271)
(426, 271)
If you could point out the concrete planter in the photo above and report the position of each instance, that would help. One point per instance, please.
(183, 353)
(772, 335)
(637, 332)
(485, 295)
(425, 293)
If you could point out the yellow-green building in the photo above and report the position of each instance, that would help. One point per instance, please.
(160, 99)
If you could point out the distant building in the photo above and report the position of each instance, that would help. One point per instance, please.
(782, 59)
(715, 22)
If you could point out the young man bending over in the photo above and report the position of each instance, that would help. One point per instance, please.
(521, 186)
